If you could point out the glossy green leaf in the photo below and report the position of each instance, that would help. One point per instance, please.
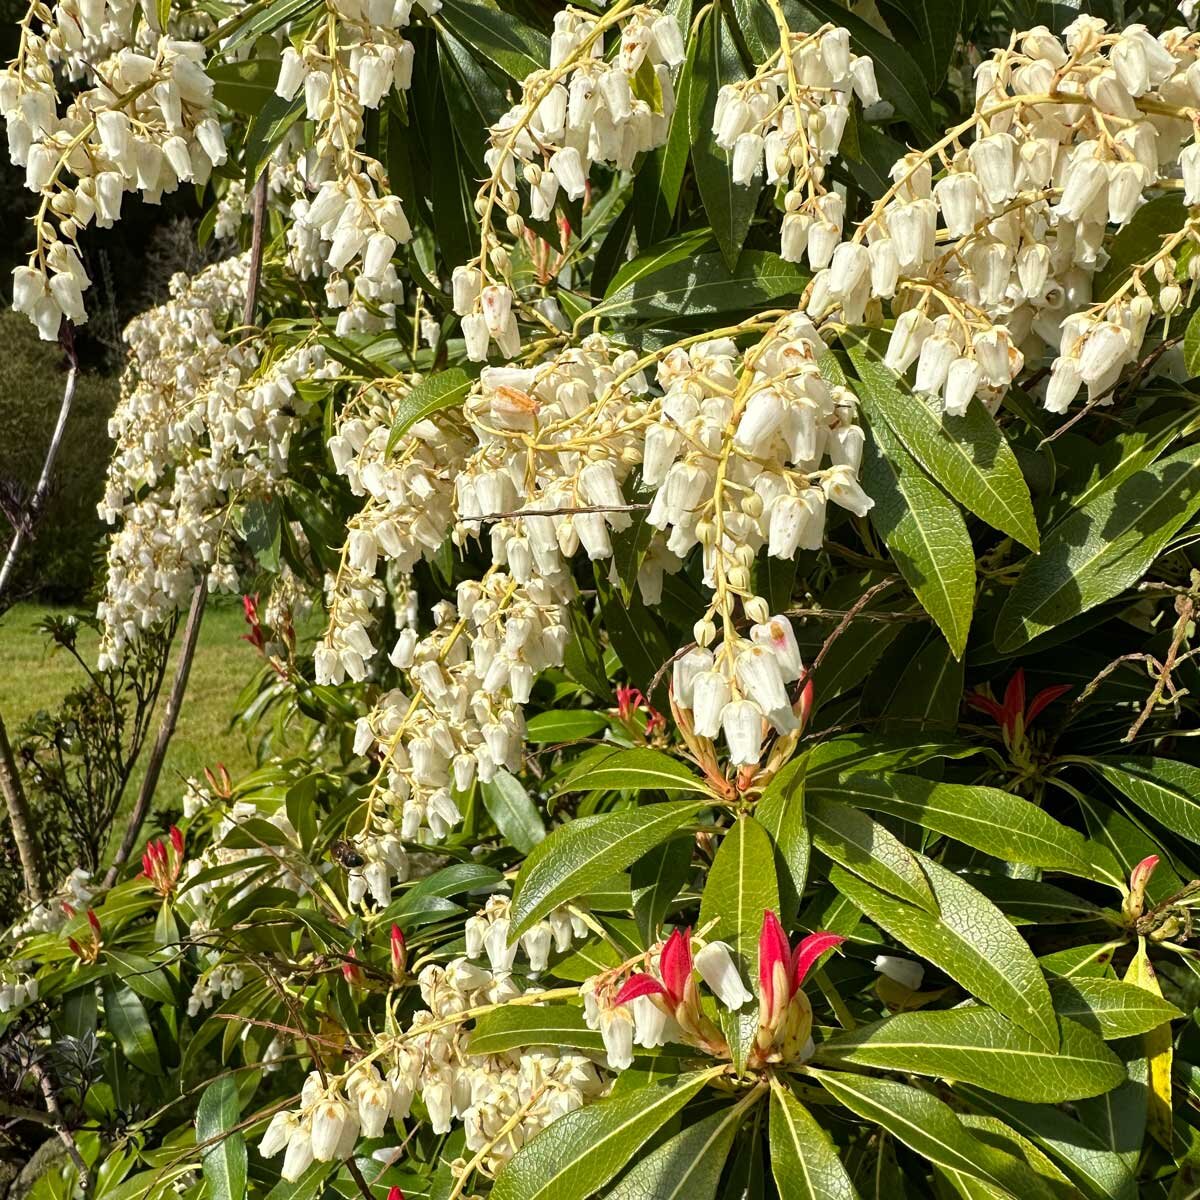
(245, 86)
(972, 941)
(1166, 789)
(223, 1162)
(1102, 549)
(780, 811)
(583, 1150)
(925, 532)
(577, 856)
(687, 1166)
(125, 1016)
(446, 389)
(516, 816)
(994, 821)
(142, 974)
(978, 1045)
(729, 208)
(967, 455)
(639, 769)
(516, 48)
(1109, 1007)
(741, 887)
(867, 848)
(703, 286)
(655, 880)
(804, 1160)
(511, 1027)
(564, 726)
(931, 1128)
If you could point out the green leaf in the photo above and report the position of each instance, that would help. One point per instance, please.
(265, 20)
(1168, 790)
(1139, 240)
(224, 1162)
(703, 285)
(512, 1026)
(583, 1150)
(967, 455)
(509, 805)
(580, 855)
(780, 811)
(994, 821)
(869, 849)
(446, 389)
(928, 31)
(1109, 1007)
(804, 1160)
(972, 941)
(246, 87)
(741, 886)
(978, 1045)
(1102, 1174)
(688, 1166)
(1191, 345)
(637, 770)
(126, 1017)
(931, 1128)
(516, 48)
(146, 977)
(1102, 548)
(564, 726)
(729, 208)
(925, 532)
(655, 880)
(656, 186)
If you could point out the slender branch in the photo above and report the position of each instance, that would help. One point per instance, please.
(18, 817)
(56, 1120)
(24, 525)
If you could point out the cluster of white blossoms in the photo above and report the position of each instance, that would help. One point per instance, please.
(586, 109)
(501, 1100)
(50, 914)
(348, 65)
(461, 717)
(990, 265)
(406, 515)
(201, 425)
(788, 119)
(144, 122)
(487, 933)
(16, 988)
(739, 452)
(220, 980)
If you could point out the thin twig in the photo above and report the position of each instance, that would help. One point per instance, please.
(56, 1120)
(23, 831)
(27, 520)
(568, 511)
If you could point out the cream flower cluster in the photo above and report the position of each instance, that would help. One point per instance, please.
(487, 933)
(788, 119)
(406, 515)
(461, 718)
(585, 109)
(50, 914)
(219, 981)
(350, 63)
(145, 122)
(990, 266)
(17, 990)
(500, 1100)
(199, 427)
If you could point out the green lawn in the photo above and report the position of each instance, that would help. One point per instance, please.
(33, 677)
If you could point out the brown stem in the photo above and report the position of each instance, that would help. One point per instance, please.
(166, 731)
(56, 1119)
(18, 817)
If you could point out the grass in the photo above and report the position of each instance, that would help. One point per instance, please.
(34, 678)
